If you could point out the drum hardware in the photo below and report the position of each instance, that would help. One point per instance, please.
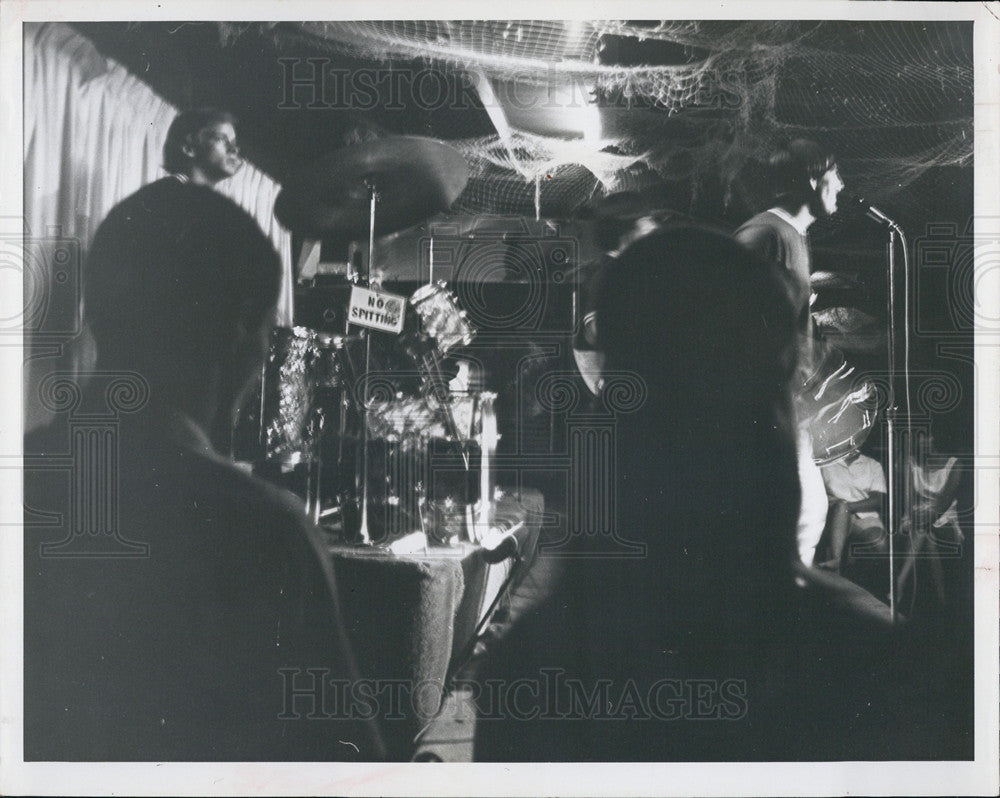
(418, 479)
(331, 197)
(330, 514)
(363, 533)
(315, 469)
(441, 318)
(489, 436)
(379, 188)
(430, 261)
(421, 507)
(436, 448)
(447, 325)
(439, 390)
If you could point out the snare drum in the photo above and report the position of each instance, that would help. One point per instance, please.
(441, 319)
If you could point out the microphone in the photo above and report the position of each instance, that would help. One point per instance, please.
(872, 212)
(500, 544)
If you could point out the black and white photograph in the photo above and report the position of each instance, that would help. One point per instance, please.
(405, 402)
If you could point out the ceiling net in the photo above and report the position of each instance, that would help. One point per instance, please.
(694, 101)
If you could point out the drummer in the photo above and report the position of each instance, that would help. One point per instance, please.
(806, 183)
(201, 147)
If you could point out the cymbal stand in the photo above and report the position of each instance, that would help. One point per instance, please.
(363, 531)
(437, 375)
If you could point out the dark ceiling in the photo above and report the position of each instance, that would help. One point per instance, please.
(893, 99)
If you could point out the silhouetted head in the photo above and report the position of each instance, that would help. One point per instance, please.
(180, 286)
(688, 308)
(706, 331)
(804, 173)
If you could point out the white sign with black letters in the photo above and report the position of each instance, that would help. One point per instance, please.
(376, 310)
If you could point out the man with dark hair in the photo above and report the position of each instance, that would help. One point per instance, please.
(805, 183)
(201, 146)
(212, 630)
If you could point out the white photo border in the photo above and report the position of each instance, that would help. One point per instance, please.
(873, 778)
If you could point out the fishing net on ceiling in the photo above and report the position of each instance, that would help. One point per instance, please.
(694, 101)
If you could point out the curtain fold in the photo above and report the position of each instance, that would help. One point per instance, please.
(94, 134)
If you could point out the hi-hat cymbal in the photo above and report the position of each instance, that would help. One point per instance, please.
(415, 177)
(832, 281)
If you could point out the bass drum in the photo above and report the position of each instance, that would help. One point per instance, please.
(840, 408)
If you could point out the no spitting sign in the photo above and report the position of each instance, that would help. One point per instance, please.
(376, 310)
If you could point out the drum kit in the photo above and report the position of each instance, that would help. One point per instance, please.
(389, 438)
(839, 407)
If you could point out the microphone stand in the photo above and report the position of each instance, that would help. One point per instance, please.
(507, 549)
(890, 415)
(892, 520)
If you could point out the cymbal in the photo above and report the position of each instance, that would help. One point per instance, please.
(831, 281)
(630, 205)
(414, 177)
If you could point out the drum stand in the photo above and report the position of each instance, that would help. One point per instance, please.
(363, 532)
(435, 376)
(432, 363)
(314, 468)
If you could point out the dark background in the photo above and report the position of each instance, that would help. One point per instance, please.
(892, 99)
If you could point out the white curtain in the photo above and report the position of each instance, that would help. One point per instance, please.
(93, 135)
